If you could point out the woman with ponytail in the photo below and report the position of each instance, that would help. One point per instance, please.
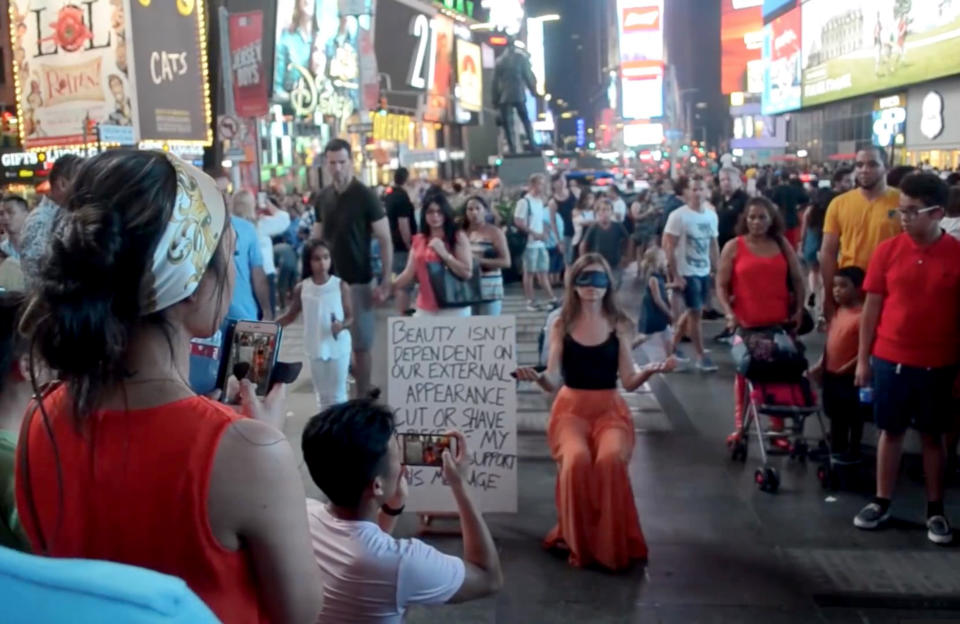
(121, 460)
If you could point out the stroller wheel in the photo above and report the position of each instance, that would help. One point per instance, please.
(738, 452)
(767, 479)
(827, 476)
(799, 451)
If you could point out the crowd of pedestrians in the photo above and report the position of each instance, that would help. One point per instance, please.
(134, 254)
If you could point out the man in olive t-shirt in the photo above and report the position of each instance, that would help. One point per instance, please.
(347, 215)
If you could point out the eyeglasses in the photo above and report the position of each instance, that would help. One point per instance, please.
(913, 213)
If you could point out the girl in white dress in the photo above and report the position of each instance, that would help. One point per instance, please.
(324, 300)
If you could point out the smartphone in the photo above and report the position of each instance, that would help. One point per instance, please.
(262, 199)
(425, 449)
(250, 352)
(539, 368)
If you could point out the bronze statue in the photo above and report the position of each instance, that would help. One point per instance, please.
(512, 76)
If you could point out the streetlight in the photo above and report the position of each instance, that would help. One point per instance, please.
(550, 17)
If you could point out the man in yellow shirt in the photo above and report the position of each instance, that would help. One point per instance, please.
(859, 220)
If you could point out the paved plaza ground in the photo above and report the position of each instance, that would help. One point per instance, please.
(720, 550)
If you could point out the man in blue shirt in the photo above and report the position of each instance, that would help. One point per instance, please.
(251, 288)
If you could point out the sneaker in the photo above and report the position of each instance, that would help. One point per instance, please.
(872, 516)
(532, 306)
(938, 530)
(712, 315)
(706, 365)
(683, 364)
(725, 337)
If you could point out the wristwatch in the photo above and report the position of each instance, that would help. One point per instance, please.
(390, 511)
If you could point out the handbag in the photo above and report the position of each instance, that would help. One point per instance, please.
(806, 322)
(452, 292)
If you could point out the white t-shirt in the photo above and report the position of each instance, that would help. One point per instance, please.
(694, 231)
(269, 226)
(370, 576)
(619, 210)
(530, 211)
(951, 225)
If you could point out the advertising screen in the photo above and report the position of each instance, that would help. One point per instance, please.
(168, 63)
(73, 64)
(781, 64)
(404, 49)
(641, 58)
(317, 62)
(640, 134)
(469, 76)
(741, 44)
(775, 8)
(852, 47)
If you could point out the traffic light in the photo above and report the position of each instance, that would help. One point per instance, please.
(685, 148)
(499, 161)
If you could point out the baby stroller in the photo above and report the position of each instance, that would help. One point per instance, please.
(773, 365)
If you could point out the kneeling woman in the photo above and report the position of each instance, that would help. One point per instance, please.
(591, 431)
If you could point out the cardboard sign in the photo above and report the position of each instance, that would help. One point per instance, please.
(454, 373)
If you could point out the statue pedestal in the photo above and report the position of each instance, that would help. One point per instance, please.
(517, 169)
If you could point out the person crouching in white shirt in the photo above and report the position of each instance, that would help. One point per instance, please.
(353, 455)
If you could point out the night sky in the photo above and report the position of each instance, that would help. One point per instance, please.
(574, 57)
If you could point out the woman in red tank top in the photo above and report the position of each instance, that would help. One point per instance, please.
(752, 280)
(122, 461)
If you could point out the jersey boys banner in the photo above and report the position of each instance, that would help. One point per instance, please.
(246, 63)
(73, 67)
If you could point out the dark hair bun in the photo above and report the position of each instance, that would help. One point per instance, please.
(89, 293)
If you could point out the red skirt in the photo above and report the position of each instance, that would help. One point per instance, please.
(591, 438)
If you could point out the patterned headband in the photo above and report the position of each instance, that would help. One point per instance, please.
(189, 241)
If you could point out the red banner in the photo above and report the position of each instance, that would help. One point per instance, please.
(246, 63)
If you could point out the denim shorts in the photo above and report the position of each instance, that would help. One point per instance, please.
(907, 396)
(536, 260)
(696, 292)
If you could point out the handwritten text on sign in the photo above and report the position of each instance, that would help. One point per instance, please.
(454, 373)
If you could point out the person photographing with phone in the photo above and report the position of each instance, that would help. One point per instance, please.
(121, 460)
(327, 310)
(590, 431)
(355, 457)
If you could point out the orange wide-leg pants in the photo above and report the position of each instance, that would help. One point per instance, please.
(591, 438)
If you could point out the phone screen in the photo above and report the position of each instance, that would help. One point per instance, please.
(252, 353)
(424, 449)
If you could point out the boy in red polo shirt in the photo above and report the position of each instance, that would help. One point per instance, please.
(911, 326)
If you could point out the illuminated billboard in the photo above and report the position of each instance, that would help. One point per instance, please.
(741, 46)
(776, 8)
(852, 47)
(641, 58)
(782, 64)
(317, 58)
(642, 134)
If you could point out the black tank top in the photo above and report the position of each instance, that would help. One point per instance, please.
(565, 210)
(591, 368)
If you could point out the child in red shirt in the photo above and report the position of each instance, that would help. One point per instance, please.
(911, 328)
(834, 372)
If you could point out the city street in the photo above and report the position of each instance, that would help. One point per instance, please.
(721, 550)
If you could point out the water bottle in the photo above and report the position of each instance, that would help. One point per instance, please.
(866, 395)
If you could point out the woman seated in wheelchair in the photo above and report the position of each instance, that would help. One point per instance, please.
(759, 285)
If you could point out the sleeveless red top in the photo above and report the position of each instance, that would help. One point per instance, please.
(422, 254)
(759, 285)
(134, 490)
